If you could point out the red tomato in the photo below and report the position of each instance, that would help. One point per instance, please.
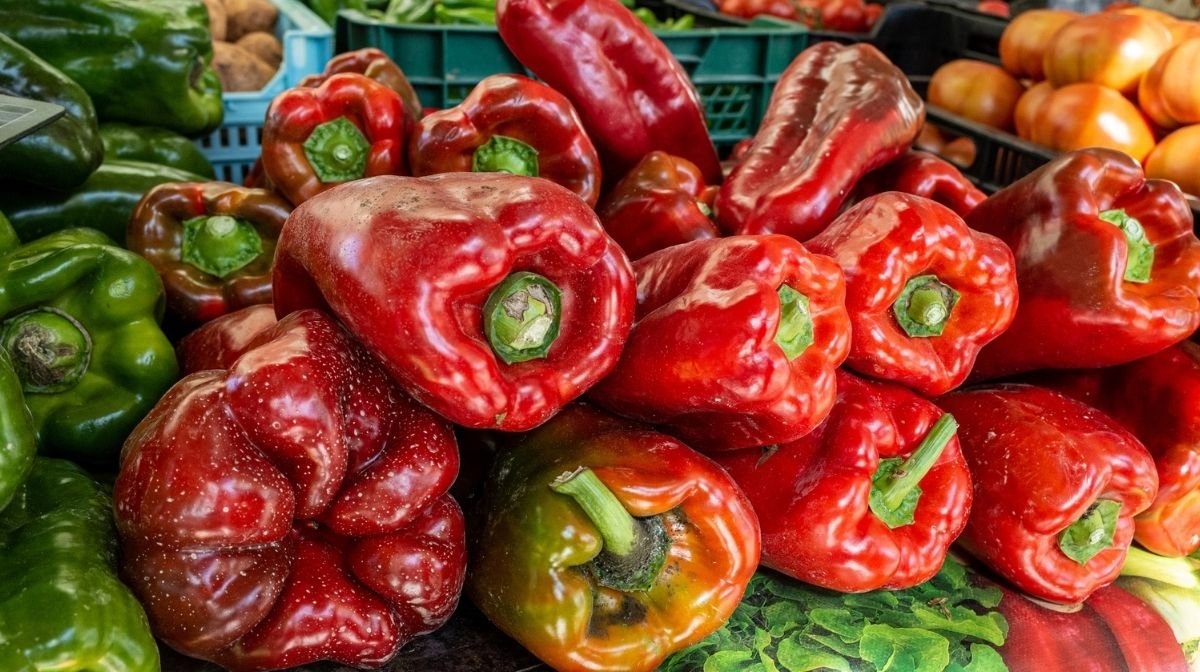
(1024, 40)
(1113, 49)
(1177, 158)
(1090, 115)
(976, 90)
(997, 7)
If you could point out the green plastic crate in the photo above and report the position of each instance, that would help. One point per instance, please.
(734, 68)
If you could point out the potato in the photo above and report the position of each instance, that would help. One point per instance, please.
(248, 16)
(239, 69)
(217, 18)
(263, 45)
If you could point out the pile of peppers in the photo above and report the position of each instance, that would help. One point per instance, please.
(657, 383)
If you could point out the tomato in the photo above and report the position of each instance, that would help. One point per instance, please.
(931, 139)
(1090, 115)
(748, 9)
(1028, 105)
(1111, 48)
(1177, 158)
(1169, 93)
(997, 7)
(976, 90)
(874, 11)
(960, 152)
(1024, 40)
(846, 16)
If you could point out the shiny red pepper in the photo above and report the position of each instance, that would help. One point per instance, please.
(1158, 400)
(1107, 265)
(632, 94)
(493, 299)
(512, 124)
(924, 292)
(926, 175)
(662, 202)
(837, 113)
(218, 343)
(1057, 485)
(871, 499)
(347, 128)
(735, 343)
(376, 65)
(292, 508)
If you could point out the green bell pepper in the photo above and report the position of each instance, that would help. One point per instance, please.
(104, 202)
(154, 145)
(63, 154)
(62, 607)
(328, 9)
(79, 318)
(18, 445)
(145, 62)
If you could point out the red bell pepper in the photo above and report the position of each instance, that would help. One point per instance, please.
(632, 94)
(926, 175)
(493, 299)
(924, 292)
(662, 202)
(1158, 400)
(211, 242)
(512, 124)
(292, 508)
(347, 128)
(218, 343)
(871, 499)
(376, 65)
(837, 113)
(1057, 485)
(1107, 265)
(735, 343)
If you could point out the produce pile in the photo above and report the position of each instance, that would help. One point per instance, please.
(822, 405)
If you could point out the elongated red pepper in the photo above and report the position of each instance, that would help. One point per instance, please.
(1158, 400)
(1057, 485)
(632, 94)
(1107, 265)
(512, 124)
(662, 202)
(347, 128)
(218, 343)
(493, 299)
(837, 113)
(926, 175)
(376, 65)
(871, 499)
(735, 344)
(924, 292)
(292, 508)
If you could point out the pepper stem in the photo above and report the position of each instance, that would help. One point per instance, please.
(1183, 572)
(521, 317)
(1092, 533)
(795, 331)
(219, 245)
(1140, 258)
(50, 349)
(923, 307)
(337, 151)
(635, 549)
(895, 489)
(502, 154)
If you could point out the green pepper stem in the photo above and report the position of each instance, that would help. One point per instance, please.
(924, 306)
(337, 151)
(1092, 532)
(927, 307)
(1139, 260)
(1183, 572)
(50, 349)
(522, 316)
(910, 472)
(219, 244)
(602, 507)
(795, 331)
(502, 154)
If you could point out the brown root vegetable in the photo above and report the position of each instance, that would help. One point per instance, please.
(265, 46)
(249, 16)
(239, 69)
(217, 18)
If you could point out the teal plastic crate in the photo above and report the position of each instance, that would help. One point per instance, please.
(734, 68)
(307, 46)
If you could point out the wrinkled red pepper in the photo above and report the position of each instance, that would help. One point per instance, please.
(512, 124)
(871, 499)
(493, 299)
(218, 343)
(924, 292)
(926, 175)
(1158, 400)
(1057, 485)
(662, 202)
(837, 113)
(735, 343)
(632, 94)
(1107, 264)
(347, 128)
(376, 65)
(292, 508)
